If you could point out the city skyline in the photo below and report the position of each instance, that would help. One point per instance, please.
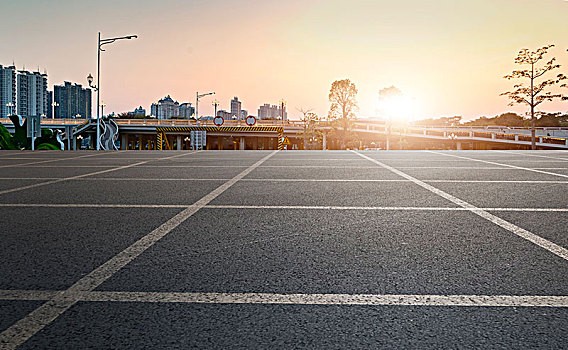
(297, 55)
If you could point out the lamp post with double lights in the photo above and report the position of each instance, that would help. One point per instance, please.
(215, 105)
(10, 106)
(197, 97)
(53, 105)
(97, 88)
(282, 106)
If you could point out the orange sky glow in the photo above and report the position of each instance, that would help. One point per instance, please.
(448, 57)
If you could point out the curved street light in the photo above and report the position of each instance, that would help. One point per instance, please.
(97, 88)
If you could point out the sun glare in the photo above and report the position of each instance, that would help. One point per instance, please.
(397, 109)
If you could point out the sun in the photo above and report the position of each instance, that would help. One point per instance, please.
(397, 109)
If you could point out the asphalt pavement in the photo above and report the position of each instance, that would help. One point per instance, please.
(287, 249)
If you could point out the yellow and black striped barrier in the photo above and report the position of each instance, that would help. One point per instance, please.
(161, 132)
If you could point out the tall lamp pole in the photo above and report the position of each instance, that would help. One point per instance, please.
(282, 106)
(215, 105)
(197, 97)
(100, 44)
(10, 106)
(54, 104)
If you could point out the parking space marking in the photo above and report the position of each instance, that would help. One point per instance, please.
(298, 299)
(286, 180)
(529, 236)
(536, 155)
(88, 174)
(507, 165)
(35, 321)
(279, 207)
(51, 160)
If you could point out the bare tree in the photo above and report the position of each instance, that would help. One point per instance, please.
(343, 98)
(310, 133)
(537, 89)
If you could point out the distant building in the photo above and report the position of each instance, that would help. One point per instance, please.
(138, 111)
(236, 107)
(244, 114)
(166, 108)
(31, 93)
(186, 110)
(268, 111)
(7, 90)
(50, 104)
(226, 115)
(72, 100)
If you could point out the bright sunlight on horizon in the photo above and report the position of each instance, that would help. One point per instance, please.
(447, 57)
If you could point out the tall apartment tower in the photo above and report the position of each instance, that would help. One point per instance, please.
(72, 100)
(7, 90)
(31, 94)
(236, 107)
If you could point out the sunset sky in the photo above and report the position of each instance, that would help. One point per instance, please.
(447, 56)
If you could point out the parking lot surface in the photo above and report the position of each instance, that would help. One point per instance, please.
(284, 249)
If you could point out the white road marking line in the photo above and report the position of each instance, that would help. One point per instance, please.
(507, 165)
(299, 299)
(529, 236)
(278, 207)
(25, 328)
(84, 175)
(504, 167)
(51, 160)
(536, 155)
(286, 180)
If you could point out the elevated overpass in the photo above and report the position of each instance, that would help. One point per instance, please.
(142, 134)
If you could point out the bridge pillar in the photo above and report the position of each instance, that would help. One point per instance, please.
(123, 141)
(516, 137)
(242, 143)
(540, 139)
(459, 146)
(324, 142)
(493, 136)
(178, 143)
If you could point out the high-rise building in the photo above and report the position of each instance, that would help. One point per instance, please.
(72, 100)
(31, 93)
(50, 104)
(166, 108)
(236, 107)
(268, 111)
(7, 91)
(244, 114)
(186, 110)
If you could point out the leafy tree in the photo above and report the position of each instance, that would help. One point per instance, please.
(537, 89)
(310, 132)
(343, 98)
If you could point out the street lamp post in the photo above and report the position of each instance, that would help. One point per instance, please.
(215, 105)
(10, 106)
(282, 106)
(97, 87)
(54, 104)
(197, 97)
